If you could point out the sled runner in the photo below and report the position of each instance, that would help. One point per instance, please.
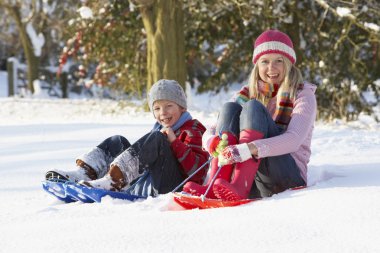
(188, 201)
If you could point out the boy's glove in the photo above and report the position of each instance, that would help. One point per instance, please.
(234, 154)
(217, 144)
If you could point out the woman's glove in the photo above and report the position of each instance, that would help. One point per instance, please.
(234, 154)
(217, 144)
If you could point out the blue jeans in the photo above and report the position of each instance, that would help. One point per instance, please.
(114, 145)
(155, 156)
(275, 173)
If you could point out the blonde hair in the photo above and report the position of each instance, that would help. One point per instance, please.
(293, 78)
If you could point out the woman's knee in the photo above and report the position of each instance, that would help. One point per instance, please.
(229, 118)
(254, 116)
(254, 107)
(231, 107)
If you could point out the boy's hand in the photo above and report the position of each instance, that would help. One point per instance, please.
(168, 131)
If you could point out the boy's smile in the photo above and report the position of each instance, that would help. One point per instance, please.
(167, 112)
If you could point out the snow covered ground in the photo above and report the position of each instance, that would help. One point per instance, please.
(338, 212)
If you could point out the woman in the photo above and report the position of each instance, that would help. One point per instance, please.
(268, 127)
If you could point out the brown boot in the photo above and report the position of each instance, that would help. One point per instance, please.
(113, 181)
(90, 172)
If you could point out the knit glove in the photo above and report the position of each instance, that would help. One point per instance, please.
(217, 144)
(234, 154)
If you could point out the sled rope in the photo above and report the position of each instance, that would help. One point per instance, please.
(192, 174)
(211, 183)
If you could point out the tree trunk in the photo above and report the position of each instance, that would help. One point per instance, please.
(293, 30)
(163, 22)
(33, 62)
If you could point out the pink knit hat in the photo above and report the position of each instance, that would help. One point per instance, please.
(274, 41)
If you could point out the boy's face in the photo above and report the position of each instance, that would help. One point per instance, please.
(167, 112)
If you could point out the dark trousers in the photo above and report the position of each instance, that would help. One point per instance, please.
(154, 155)
(275, 173)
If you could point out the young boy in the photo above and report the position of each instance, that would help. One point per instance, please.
(158, 161)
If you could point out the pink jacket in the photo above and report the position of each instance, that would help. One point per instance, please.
(296, 140)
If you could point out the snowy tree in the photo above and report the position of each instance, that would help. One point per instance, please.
(348, 56)
(132, 43)
(135, 43)
(108, 37)
(163, 23)
(39, 27)
(337, 46)
(31, 40)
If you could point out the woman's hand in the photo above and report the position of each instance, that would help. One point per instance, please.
(234, 154)
(168, 131)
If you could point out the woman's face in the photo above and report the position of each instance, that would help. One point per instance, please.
(167, 112)
(272, 68)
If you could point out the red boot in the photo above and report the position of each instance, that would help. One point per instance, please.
(225, 173)
(244, 173)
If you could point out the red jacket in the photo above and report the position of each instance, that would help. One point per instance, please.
(187, 148)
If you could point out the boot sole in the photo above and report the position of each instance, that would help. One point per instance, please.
(55, 176)
(222, 192)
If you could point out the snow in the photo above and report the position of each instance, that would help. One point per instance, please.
(38, 40)
(338, 212)
(85, 12)
(372, 26)
(4, 82)
(342, 11)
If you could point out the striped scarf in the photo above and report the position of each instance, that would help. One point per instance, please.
(284, 108)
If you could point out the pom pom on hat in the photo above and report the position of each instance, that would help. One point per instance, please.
(167, 90)
(274, 42)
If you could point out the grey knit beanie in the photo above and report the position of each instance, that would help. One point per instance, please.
(168, 90)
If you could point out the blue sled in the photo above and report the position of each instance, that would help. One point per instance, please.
(75, 192)
(57, 188)
(68, 192)
(96, 195)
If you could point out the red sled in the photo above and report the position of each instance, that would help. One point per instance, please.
(188, 201)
